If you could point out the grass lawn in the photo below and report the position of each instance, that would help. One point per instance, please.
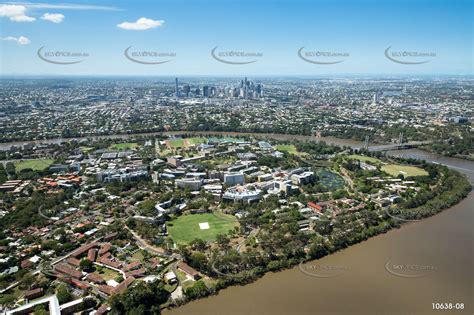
(395, 170)
(196, 140)
(186, 227)
(108, 274)
(287, 147)
(123, 146)
(165, 152)
(86, 149)
(138, 256)
(170, 287)
(185, 281)
(364, 158)
(176, 143)
(181, 143)
(36, 165)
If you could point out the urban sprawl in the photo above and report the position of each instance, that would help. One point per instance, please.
(120, 195)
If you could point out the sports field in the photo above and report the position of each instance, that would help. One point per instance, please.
(406, 170)
(184, 142)
(364, 158)
(196, 140)
(123, 146)
(36, 165)
(189, 227)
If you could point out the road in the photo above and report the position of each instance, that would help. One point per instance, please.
(252, 233)
(148, 247)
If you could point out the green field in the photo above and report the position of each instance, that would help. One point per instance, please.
(186, 227)
(176, 143)
(196, 140)
(124, 146)
(86, 149)
(287, 147)
(364, 158)
(36, 165)
(184, 142)
(108, 274)
(395, 170)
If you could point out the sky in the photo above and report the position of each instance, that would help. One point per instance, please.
(245, 37)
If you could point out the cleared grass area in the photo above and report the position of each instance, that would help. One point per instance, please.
(170, 287)
(36, 165)
(108, 274)
(364, 158)
(186, 228)
(175, 143)
(138, 256)
(185, 142)
(86, 149)
(287, 147)
(406, 170)
(196, 140)
(123, 146)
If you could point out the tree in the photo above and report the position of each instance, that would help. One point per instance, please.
(27, 281)
(40, 310)
(318, 249)
(199, 261)
(222, 240)
(198, 244)
(86, 265)
(144, 298)
(199, 289)
(63, 294)
(10, 168)
(7, 299)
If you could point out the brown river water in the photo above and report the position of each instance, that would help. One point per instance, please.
(403, 271)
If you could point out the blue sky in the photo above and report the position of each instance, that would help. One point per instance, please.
(276, 29)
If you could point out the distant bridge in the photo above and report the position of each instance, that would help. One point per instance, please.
(398, 146)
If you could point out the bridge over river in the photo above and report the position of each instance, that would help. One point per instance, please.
(398, 146)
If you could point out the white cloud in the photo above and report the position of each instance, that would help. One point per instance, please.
(141, 24)
(53, 17)
(22, 40)
(15, 13)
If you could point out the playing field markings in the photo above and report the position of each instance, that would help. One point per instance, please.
(204, 226)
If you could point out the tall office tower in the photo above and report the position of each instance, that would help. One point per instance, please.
(245, 87)
(197, 91)
(376, 98)
(205, 91)
(186, 90)
(241, 83)
(235, 92)
(176, 87)
(213, 91)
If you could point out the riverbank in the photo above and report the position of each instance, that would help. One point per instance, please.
(331, 140)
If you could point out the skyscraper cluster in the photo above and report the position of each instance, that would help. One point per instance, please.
(245, 89)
